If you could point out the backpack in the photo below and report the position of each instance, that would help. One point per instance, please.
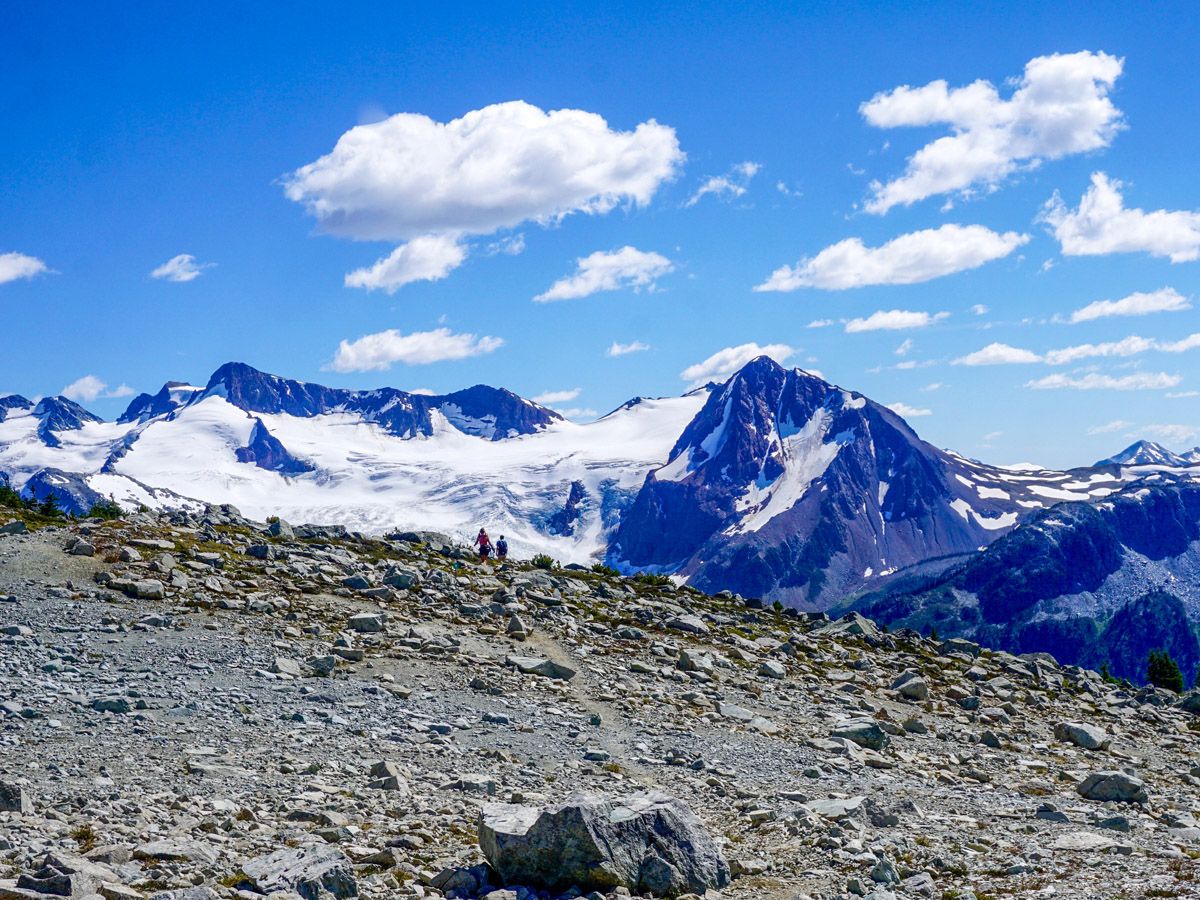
(502, 547)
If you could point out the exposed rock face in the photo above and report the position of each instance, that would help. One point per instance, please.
(265, 451)
(1072, 581)
(787, 487)
(72, 491)
(315, 873)
(60, 414)
(648, 842)
(484, 411)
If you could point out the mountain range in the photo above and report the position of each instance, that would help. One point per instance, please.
(774, 484)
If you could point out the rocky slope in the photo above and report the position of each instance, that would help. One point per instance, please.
(1066, 583)
(193, 705)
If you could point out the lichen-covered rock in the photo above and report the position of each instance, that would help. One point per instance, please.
(649, 842)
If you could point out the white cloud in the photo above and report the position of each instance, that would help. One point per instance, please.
(1094, 381)
(894, 320)
(577, 412)
(89, 388)
(84, 389)
(932, 386)
(551, 397)
(15, 266)
(1181, 395)
(908, 412)
(1172, 434)
(408, 176)
(627, 267)
(377, 352)
(732, 184)
(997, 354)
(426, 258)
(512, 245)
(1059, 107)
(1001, 354)
(905, 346)
(821, 323)
(908, 259)
(619, 349)
(1136, 304)
(1129, 346)
(1109, 427)
(979, 310)
(724, 363)
(1103, 225)
(181, 268)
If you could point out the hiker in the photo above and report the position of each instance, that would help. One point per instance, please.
(484, 543)
(501, 549)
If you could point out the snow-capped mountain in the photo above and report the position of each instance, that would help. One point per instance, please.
(1093, 583)
(787, 487)
(1148, 453)
(775, 483)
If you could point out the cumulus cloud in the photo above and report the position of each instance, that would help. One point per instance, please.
(908, 412)
(1094, 381)
(409, 176)
(732, 184)
(894, 320)
(15, 266)
(377, 352)
(997, 354)
(89, 388)
(619, 349)
(1136, 304)
(979, 310)
(551, 397)
(1059, 107)
(724, 363)
(1129, 346)
(908, 259)
(430, 257)
(510, 245)
(181, 268)
(1109, 427)
(1101, 225)
(627, 267)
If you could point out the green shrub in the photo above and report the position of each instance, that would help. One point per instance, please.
(106, 509)
(602, 569)
(10, 498)
(542, 561)
(651, 579)
(1163, 672)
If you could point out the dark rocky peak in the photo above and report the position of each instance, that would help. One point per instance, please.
(493, 413)
(170, 397)
(257, 392)
(60, 414)
(1145, 453)
(13, 401)
(267, 452)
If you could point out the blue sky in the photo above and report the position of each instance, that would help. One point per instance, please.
(137, 134)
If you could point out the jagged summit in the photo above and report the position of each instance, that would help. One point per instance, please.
(1149, 453)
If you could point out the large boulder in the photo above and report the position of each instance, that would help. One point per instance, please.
(315, 873)
(649, 843)
(1089, 737)
(1109, 786)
